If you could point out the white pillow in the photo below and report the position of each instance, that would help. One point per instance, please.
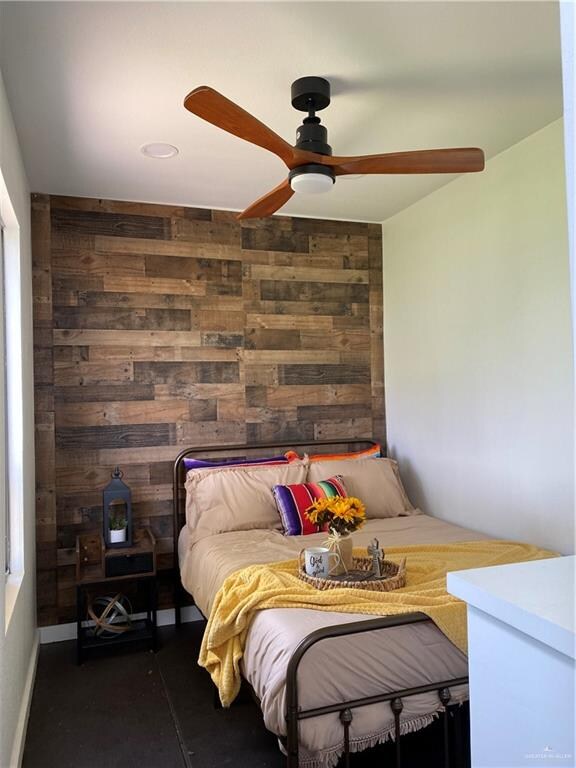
(236, 498)
(374, 481)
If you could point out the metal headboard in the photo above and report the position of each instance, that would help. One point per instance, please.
(245, 451)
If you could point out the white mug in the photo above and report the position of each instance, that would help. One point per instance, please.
(317, 561)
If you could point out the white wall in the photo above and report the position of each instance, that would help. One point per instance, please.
(478, 347)
(568, 36)
(18, 633)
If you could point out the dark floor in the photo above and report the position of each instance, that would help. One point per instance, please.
(156, 711)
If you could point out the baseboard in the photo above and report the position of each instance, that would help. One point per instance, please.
(22, 724)
(56, 633)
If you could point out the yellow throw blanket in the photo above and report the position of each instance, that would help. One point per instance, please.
(277, 586)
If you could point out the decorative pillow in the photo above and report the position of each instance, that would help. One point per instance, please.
(237, 498)
(373, 452)
(376, 481)
(232, 462)
(293, 501)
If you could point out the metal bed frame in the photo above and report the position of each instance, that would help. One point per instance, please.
(455, 754)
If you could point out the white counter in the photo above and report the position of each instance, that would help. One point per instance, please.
(521, 662)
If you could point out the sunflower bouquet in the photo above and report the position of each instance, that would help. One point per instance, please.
(338, 514)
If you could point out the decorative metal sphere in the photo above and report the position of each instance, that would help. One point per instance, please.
(111, 615)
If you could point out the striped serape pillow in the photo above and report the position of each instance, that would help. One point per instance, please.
(292, 502)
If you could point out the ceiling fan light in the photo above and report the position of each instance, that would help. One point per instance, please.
(308, 183)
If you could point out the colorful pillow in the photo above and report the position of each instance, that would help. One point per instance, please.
(292, 502)
(232, 462)
(376, 481)
(375, 451)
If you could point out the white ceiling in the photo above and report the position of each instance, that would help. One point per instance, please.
(90, 82)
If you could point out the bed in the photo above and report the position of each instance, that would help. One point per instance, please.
(328, 683)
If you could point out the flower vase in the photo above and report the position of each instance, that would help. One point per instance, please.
(342, 545)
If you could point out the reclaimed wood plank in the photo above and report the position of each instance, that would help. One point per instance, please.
(314, 374)
(76, 284)
(211, 433)
(334, 430)
(262, 356)
(341, 340)
(219, 352)
(287, 259)
(201, 391)
(192, 268)
(95, 205)
(286, 431)
(70, 354)
(121, 412)
(329, 413)
(170, 354)
(141, 246)
(153, 286)
(273, 338)
(218, 320)
(308, 274)
(331, 227)
(76, 374)
(317, 308)
(341, 244)
(260, 414)
(194, 231)
(112, 224)
(231, 408)
(89, 264)
(43, 365)
(323, 394)
(130, 299)
(261, 375)
(87, 337)
(114, 436)
(121, 318)
(186, 373)
(293, 322)
(286, 290)
(227, 340)
(137, 455)
(96, 478)
(356, 260)
(103, 392)
(274, 240)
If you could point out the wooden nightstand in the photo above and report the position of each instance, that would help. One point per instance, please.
(98, 568)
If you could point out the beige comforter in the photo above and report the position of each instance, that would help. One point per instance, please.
(349, 668)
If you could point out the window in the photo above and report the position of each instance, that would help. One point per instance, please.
(12, 355)
(4, 480)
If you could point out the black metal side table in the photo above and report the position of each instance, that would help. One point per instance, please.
(98, 568)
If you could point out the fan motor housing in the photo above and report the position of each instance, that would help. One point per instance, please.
(313, 137)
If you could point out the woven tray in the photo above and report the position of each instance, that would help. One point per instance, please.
(394, 576)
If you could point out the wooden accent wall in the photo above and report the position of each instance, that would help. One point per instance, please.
(159, 327)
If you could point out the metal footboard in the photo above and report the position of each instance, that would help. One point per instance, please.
(294, 713)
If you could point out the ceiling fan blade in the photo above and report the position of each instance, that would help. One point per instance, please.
(269, 203)
(223, 113)
(465, 160)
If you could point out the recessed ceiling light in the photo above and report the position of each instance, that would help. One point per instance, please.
(159, 150)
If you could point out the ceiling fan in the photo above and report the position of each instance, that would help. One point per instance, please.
(312, 167)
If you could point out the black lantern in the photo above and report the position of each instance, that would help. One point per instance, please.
(117, 507)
